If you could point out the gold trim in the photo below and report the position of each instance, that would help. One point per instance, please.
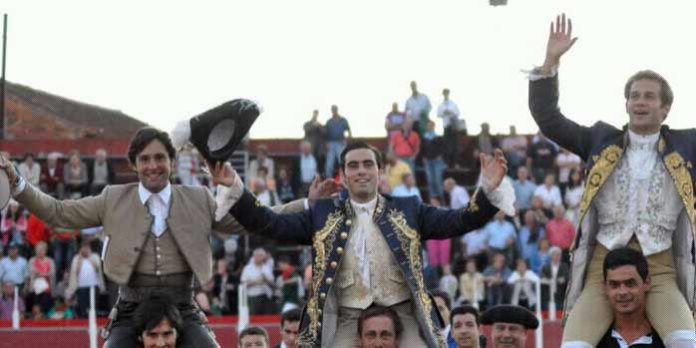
(410, 243)
(473, 206)
(598, 175)
(323, 244)
(677, 168)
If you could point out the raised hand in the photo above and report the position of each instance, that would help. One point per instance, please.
(493, 170)
(222, 173)
(322, 189)
(560, 40)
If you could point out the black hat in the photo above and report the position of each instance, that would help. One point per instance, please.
(4, 189)
(217, 132)
(510, 314)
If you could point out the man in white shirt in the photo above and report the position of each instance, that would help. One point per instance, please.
(261, 160)
(257, 275)
(459, 197)
(85, 273)
(13, 267)
(549, 193)
(308, 166)
(449, 113)
(418, 109)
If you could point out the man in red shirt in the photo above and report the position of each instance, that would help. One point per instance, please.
(406, 144)
(560, 231)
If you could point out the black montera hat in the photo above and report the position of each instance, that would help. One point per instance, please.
(217, 132)
(510, 314)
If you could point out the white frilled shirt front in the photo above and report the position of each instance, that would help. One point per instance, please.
(639, 198)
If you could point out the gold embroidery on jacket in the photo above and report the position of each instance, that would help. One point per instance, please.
(598, 175)
(323, 246)
(410, 243)
(682, 180)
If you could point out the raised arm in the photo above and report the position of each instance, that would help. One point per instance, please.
(543, 93)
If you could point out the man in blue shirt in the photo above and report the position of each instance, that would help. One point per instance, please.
(336, 128)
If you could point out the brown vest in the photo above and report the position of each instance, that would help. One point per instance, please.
(161, 256)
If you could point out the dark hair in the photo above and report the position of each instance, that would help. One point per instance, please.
(290, 316)
(360, 145)
(443, 295)
(27, 155)
(571, 184)
(666, 95)
(378, 311)
(465, 309)
(143, 137)
(153, 311)
(253, 331)
(626, 257)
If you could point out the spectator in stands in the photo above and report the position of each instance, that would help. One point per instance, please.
(7, 301)
(13, 267)
(502, 236)
(395, 170)
(439, 251)
(528, 241)
(471, 285)
(541, 157)
(560, 231)
(288, 283)
(265, 195)
(475, 245)
(315, 134)
(515, 148)
(284, 187)
(510, 325)
(101, 173)
(406, 144)
(63, 245)
(394, 120)
(336, 128)
(495, 277)
(466, 328)
(448, 282)
(524, 190)
(158, 323)
(188, 165)
(549, 192)
(309, 167)
(566, 161)
(407, 188)
(485, 142)
(258, 278)
(14, 226)
(432, 155)
(253, 337)
(85, 273)
(379, 327)
(418, 108)
(449, 113)
(544, 252)
(75, 176)
(626, 285)
(52, 176)
(225, 285)
(459, 197)
(261, 161)
(289, 328)
(41, 275)
(523, 283)
(573, 196)
(30, 169)
(554, 279)
(542, 214)
(443, 302)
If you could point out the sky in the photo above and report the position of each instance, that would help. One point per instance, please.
(165, 61)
